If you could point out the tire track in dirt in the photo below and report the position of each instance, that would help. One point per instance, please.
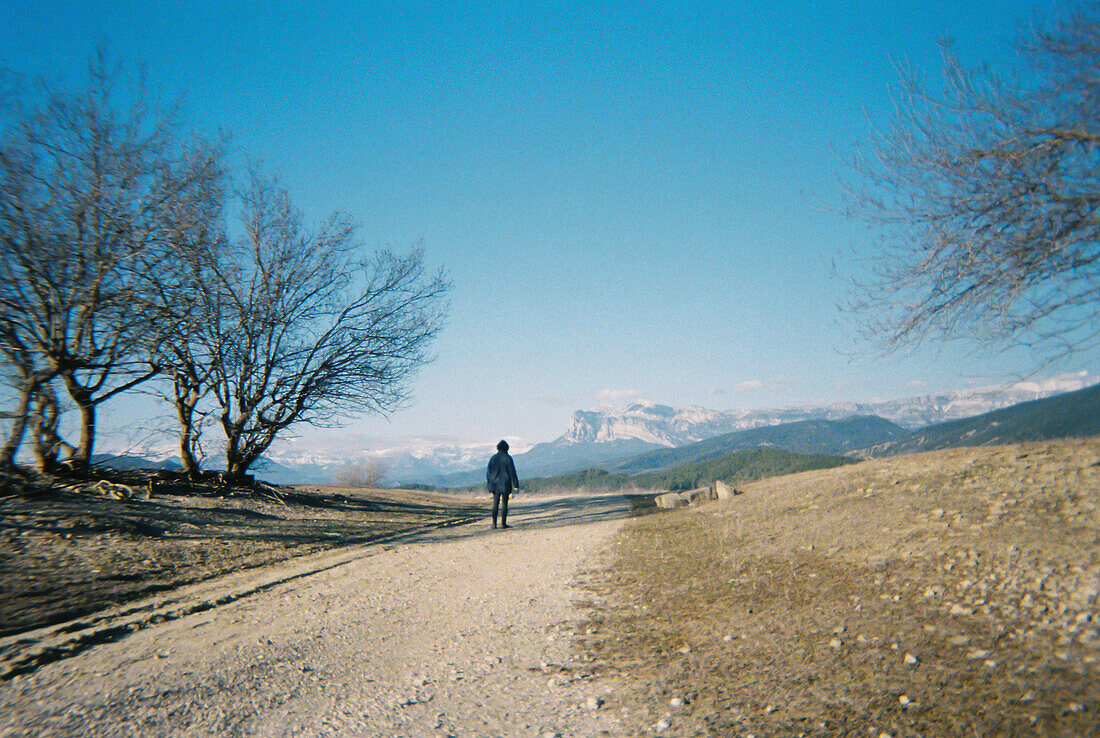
(450, 632)
(25, 652)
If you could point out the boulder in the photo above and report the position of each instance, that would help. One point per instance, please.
(695, 496)
(723, 491)
(669, 501)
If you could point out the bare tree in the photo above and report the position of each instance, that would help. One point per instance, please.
(987, 199)
(88, 183)
(190, 385)
(186, 340)
(366, 474)
(296, 327)
(186, 299)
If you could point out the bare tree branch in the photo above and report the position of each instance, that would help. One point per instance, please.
(986, 198)
(89, 182)
(297, 328)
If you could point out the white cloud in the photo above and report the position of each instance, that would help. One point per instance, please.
(771, 384)
(570, 401)
(1066, 382)
(613, 395)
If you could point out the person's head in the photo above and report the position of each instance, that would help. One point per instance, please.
(502, 446)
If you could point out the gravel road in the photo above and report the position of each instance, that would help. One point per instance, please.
(454, 632)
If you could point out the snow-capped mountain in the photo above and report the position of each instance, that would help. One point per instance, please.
(661, 425)
(648, 422)
(406, 461)
(917, 412)
(608, 433)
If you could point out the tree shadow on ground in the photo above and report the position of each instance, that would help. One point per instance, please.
(538, 512)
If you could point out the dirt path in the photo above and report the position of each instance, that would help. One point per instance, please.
(455, 632)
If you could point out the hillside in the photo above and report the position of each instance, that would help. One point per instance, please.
(609, 437)
(947, 593)
(606, 465)
(263, 468)
(737, 467)
(126, 462)
(1071, 415)
(823, 437)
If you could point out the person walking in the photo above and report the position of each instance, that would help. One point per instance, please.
(501, 479)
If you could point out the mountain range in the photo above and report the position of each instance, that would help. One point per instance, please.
(738, 466)
(820, 437)
(817, 444)
(647, 436)
(605, 436)
(1073, 414)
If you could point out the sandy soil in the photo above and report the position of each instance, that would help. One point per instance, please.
(452, 632)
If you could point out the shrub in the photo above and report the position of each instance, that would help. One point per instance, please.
(367, 473)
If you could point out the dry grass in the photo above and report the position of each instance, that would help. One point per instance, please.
(64, 554)
(951, 593)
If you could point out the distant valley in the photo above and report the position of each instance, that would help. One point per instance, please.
(647, 437)
(611, 438)
(744, 456)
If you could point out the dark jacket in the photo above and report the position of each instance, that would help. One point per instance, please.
(501, 474)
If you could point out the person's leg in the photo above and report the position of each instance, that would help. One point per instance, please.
(504, 511)
(496, 505)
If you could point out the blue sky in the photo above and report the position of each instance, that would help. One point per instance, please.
(632, 200)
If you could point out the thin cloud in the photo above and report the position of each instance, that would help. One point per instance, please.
(771, 384)
(570, 401)
(613, 395)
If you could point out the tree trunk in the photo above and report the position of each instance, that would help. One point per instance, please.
(185, 411)
(187, 452)
(238, 461)
(18, 426)
(85, 405)
(255, 448)
(236, 469)
(82, 456)
(44, 428)
(235, 466)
